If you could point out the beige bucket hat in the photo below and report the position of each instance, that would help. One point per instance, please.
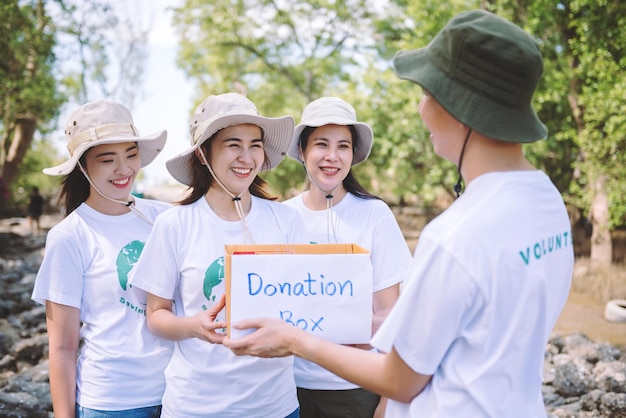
(105, 122)
(333, 111)
(220, 111)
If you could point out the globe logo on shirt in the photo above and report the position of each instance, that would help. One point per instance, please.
(213, 276)
(126, 259)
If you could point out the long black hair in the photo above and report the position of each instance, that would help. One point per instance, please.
(202, 180)
(74, 188)
(350, 183)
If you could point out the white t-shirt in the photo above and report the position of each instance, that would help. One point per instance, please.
(184, 261)
(490, 277)
(370, 224)
(87, 259)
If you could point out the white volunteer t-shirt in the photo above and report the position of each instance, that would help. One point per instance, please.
(88, 257)
(490, 277)
(184, 261)
(370, 224)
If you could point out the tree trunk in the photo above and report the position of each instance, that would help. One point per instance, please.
(24, 125)
(601, 245)
(24, 132)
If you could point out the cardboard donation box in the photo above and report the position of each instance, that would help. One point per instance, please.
(325, 289)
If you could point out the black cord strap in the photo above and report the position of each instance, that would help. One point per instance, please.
(458, 186)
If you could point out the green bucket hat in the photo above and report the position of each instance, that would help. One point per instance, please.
(483, 70)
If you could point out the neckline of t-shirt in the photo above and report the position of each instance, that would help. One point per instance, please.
(86, 210)
(233, 225)
(338, 206)
(523, 175)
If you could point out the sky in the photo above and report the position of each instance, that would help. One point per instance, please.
(166, 99)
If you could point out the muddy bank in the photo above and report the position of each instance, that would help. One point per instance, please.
(585, 314)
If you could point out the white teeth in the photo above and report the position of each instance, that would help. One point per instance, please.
(328, 169)
(242, 170)
(120, 182)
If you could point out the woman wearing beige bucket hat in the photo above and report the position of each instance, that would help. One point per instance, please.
(491, 274)
(336, 208)
(83, 278)
(182, 266)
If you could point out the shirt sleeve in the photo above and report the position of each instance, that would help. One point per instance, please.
(157, 270)
(296, 233)
(434, 306)
(60, 276)
(391, 257)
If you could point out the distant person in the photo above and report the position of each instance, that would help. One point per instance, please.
(35, 209)
(104, 362)
(491, 274)
(182, 266)
(4, 194)
(4, 191)
(336, 208)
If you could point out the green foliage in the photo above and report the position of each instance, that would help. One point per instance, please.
(26, 60)
(288, 181)
(27, 82)
(30, 174)
(50, 52)
(283, 54)
(403, 155)
(583, 44)
(583, 96)
(280, 54)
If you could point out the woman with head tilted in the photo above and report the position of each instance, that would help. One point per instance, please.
(183, 264)
(329, 141)
(83, 279)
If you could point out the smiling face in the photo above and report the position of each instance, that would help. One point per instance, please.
(112, 168)
(328, 156)
(446, 133)
(237, 156)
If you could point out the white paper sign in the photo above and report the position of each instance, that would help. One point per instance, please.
(328, 295)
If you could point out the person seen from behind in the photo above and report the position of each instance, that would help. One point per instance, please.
(103, 360)
(336, 208)
(491, 273)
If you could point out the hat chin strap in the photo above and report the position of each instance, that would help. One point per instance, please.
(129, 204)
(330, 225)
(236, 199)
(458, 186)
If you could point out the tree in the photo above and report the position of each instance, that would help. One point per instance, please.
(596, 45)
(282, 54)
(30, 174)
(29, 89)
(52, 52)
(404, 157)
(101, 52)
(582, 98)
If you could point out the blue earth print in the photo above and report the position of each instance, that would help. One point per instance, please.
(126, 259)
(213, 276)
